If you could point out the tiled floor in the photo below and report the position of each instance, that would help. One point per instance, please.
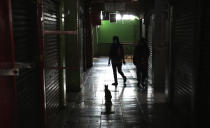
(131, 106)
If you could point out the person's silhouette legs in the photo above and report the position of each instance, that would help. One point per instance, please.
(138, 73)
(119, 68)
(144, 76)
(114, 68)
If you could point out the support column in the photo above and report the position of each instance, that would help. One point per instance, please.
(62, 58)
(160, 44)
(73, 78)
(89, 45)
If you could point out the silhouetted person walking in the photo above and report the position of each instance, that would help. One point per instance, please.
(116, 56)
(140, 60)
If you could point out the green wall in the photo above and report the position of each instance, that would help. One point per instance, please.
(127, 30)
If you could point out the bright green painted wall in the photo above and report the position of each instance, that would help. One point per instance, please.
(127, 30)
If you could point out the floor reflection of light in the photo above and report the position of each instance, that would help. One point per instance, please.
(82, 105)
(150, 98)
(150, 106)
(128, 93)
(150, 93)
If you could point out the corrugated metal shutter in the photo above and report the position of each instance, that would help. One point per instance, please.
(26, 51)
(204, 99)
(51, 56)
(184, 22)
(149, 34)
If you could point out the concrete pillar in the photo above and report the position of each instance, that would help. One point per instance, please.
(73, 76)
(160, 43)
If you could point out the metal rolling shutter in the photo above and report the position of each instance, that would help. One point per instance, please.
(150, 49)
(26, 51)
(51, 56)
(205, 66)
(150, 63)
(183, 56)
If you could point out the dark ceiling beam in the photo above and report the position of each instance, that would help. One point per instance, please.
(136, 6)
(106, 1)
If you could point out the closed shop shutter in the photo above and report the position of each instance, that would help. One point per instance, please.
(204, 99)
(26, 51)
(183, 56)
(51, 56)
(149, 38)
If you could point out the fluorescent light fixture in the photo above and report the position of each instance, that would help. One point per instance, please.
(63, 17)
(125, 17)
(118, 17)
(101, 16)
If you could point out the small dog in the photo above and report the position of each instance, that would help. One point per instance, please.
(108, 95)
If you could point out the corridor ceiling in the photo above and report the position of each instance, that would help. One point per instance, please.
(117, 5)
(124, 6)
(104, 1)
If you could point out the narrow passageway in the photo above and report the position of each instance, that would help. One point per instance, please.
(131, 107)
(87, 108)
(54, 63)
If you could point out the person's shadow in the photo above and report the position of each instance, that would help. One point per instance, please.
(122, 92)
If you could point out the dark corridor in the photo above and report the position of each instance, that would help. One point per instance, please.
(132, 107)
(53, 63)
